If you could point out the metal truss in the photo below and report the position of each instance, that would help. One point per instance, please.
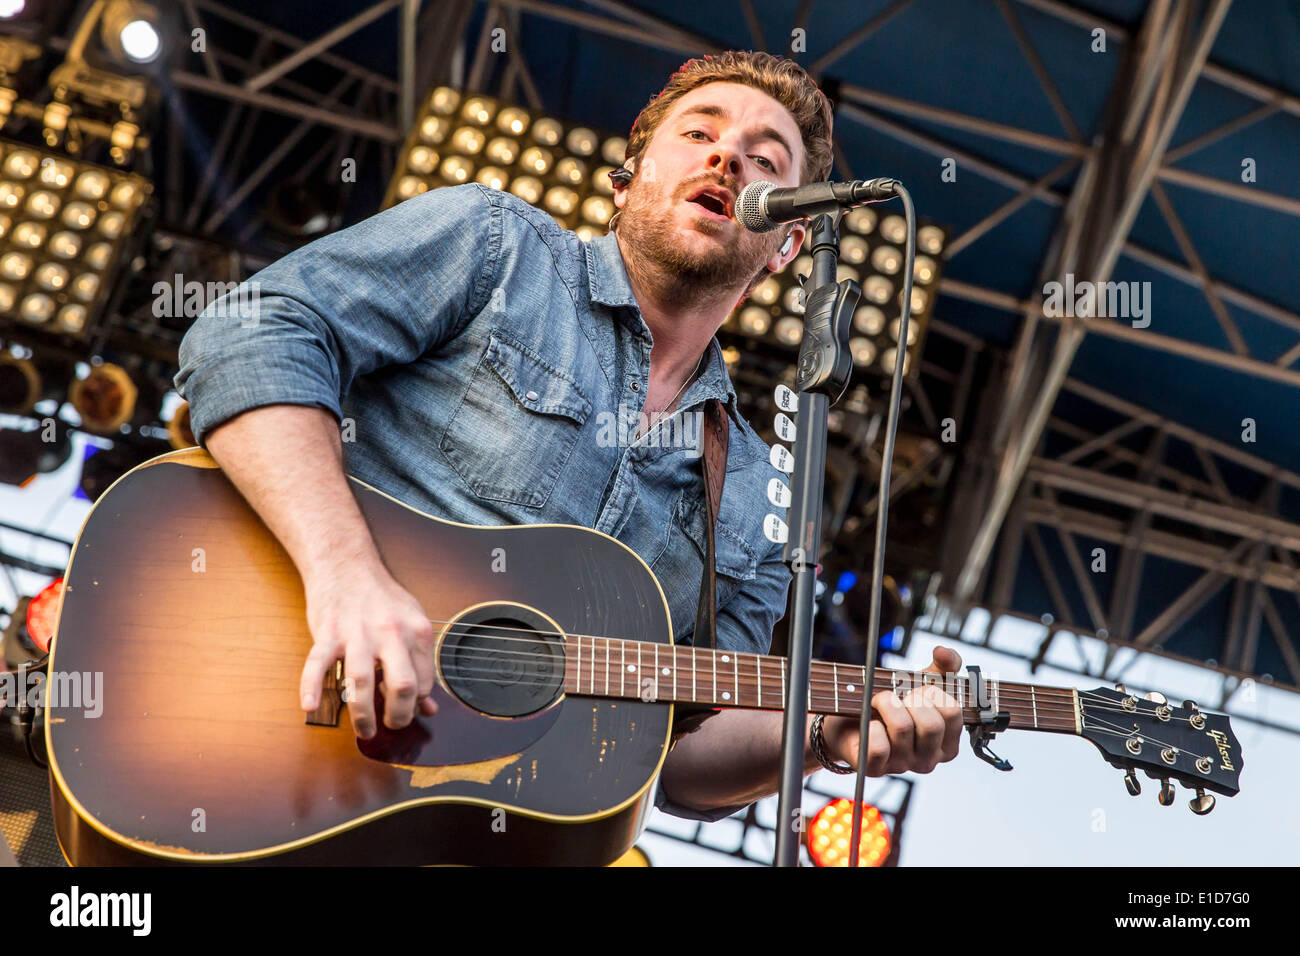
(1160, 509)
(1145, 486)
(341, 107)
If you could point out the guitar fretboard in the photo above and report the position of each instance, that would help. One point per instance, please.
(609, 667)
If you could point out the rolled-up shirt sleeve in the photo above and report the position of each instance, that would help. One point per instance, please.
(379, 293)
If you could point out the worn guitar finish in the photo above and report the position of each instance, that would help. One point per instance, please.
(196, 617)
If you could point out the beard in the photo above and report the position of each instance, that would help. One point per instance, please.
(737, 260)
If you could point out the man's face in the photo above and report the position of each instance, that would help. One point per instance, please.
(679, 210)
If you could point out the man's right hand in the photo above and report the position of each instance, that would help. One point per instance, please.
(364, 618)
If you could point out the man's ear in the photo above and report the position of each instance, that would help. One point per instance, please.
(788, 249)
(621, 184)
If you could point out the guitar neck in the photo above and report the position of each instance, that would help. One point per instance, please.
(610, 667)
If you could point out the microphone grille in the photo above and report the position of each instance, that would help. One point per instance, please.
(749, 206)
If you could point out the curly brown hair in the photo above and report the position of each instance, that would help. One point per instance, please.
(783, 80)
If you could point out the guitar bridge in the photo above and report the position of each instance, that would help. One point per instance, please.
(327, 711)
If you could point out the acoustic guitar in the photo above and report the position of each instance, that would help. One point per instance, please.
(556, 687)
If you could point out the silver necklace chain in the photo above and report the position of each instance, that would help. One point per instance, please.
(668, 407)
(659, 419)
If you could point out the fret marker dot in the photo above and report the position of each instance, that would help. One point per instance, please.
(631, 668)
(726, 695)
(849, 688)
(726, 659)
(667, 672)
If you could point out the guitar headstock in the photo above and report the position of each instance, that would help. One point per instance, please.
(1168, 743)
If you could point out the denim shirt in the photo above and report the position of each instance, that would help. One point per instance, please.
(492, 366)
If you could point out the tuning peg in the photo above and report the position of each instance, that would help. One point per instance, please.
(1157, 698)
(1190, 705)
(1166, 794)
(1131, 782)
(1202, 803)
(1121, 688)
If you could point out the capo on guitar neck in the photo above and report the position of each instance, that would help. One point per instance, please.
(991, 722)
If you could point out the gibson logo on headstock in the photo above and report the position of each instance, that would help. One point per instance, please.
(1221, 741)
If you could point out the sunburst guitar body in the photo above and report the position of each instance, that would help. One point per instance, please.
(194, 615)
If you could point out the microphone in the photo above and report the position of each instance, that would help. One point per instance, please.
(762, 206)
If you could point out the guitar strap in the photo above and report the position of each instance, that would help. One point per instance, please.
(713, 463)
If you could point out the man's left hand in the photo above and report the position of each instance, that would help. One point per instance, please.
(916, 733)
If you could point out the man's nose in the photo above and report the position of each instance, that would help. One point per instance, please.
(725, 160)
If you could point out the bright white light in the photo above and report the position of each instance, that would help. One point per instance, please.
(11, 8)
(140, 41)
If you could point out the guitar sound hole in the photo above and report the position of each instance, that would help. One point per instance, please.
(503, 664)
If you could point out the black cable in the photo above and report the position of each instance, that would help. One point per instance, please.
(882, 520)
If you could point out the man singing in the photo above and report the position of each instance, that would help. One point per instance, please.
(473, 350)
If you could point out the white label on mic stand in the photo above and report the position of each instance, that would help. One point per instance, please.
(786, 400)
(785, 428)
(775, 530)
(778, 492)
(781, 459)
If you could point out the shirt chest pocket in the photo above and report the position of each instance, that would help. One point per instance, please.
(681, 565)
(516, 426)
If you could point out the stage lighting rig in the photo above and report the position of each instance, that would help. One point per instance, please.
(561, 168)
(830, 829)
(105, 398)
(107, 78)
(65, 226)
(872, 254)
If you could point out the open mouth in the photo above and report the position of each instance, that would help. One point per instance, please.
(713, 200)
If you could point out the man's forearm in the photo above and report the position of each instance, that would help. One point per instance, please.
(732, 758)
(287, 461)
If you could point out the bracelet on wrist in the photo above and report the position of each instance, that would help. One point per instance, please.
(817, 743)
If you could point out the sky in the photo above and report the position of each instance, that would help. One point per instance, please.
(1061, 805)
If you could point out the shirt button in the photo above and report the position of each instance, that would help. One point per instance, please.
(531, 396)
(635, 386)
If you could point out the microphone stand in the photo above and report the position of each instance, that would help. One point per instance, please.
(822, 375)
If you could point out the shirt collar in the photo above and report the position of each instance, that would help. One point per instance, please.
(606, 273)
(609, 285)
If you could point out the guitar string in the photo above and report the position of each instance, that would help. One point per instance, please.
(1060, 722)
(1012, 693)
(1054, 717)
(593, 637)
(1107, 727)
(1045, 708)
(749, 682)
(535, 631)
(1192, 754)
(684, 648)
(1122, 732)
